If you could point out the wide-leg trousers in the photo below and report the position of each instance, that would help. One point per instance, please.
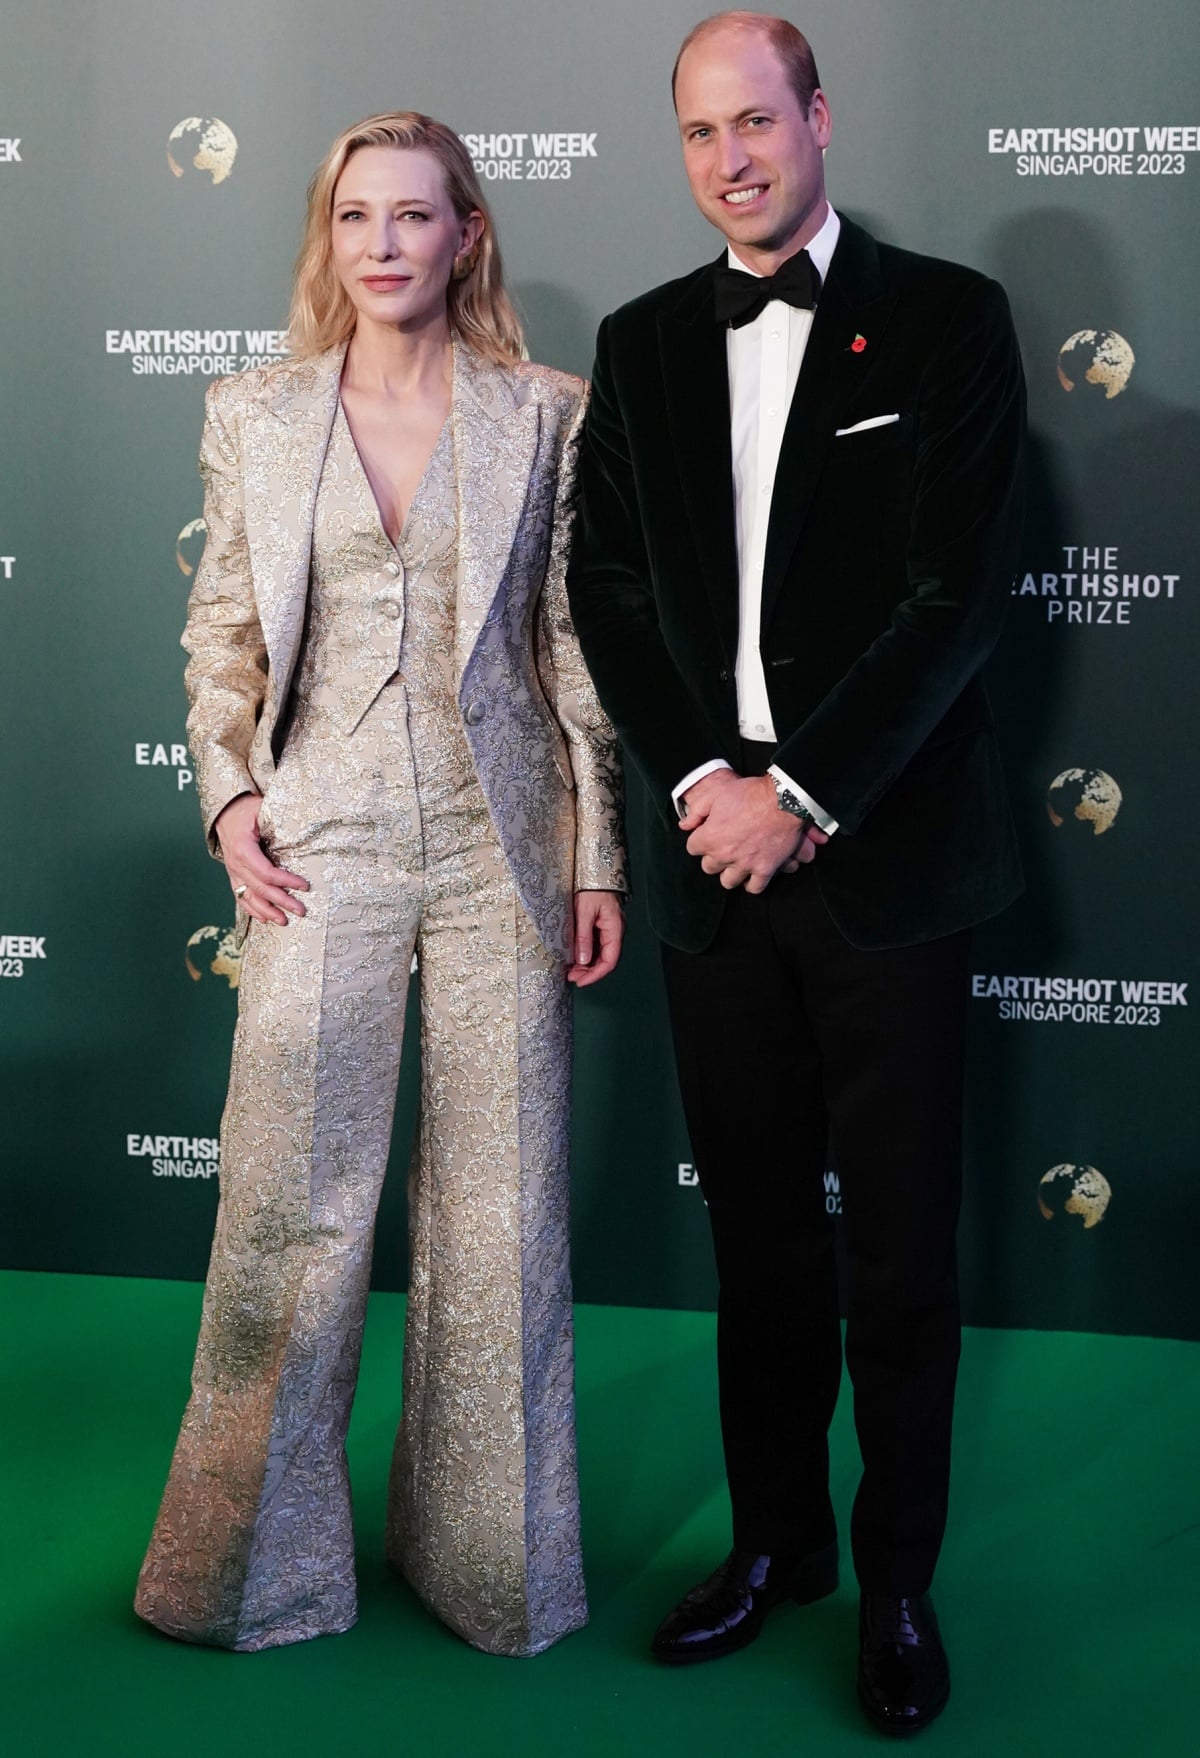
(253, 1546)
(790, 1041)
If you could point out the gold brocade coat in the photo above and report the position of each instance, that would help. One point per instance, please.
(543, 749)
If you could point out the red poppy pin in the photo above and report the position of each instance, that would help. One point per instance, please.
(858, 344)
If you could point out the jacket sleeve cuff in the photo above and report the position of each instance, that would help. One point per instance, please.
(216, 799)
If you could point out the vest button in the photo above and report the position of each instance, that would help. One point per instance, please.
(475, 712)
(391, 609)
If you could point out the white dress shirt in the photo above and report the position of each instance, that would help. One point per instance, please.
(764, 358)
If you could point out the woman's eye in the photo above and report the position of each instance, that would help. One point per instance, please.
(351, 214)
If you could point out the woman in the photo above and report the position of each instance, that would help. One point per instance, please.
(397, 747)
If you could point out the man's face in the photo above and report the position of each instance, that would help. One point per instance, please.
(753, 161)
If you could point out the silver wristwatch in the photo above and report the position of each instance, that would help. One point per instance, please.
(790, 802)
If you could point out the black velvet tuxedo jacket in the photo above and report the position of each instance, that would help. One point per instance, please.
(889, 561)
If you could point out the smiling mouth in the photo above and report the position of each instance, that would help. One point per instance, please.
(385, 280)
(737, 198)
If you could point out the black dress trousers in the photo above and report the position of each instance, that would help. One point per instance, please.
(789, 1040)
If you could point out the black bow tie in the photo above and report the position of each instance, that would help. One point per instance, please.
(741, 297)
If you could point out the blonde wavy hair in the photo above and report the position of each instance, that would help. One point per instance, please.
(480, 311)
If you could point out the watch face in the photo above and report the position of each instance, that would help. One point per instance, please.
(789, 803)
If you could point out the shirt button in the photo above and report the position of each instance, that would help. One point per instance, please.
(475, 712)
(392, 568)
(775, 335)
(391, 609)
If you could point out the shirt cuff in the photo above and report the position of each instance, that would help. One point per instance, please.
(690, 780)
(820, 818)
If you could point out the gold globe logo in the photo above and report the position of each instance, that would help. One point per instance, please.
(1075, 1190)
(1095, 357)
(202, 143)
(1084, 796)
(214, 952)
(189, 547)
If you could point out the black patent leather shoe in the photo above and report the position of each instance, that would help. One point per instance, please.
(903, 1673)
(726, 1612)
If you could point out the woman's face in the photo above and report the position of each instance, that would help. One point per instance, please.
(396, 235)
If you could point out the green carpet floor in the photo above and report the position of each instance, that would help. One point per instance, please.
(1068, 1587)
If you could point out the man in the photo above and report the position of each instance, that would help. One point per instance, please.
(800, 500)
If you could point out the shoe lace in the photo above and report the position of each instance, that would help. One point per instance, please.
(727, 1592)
(896, 1622)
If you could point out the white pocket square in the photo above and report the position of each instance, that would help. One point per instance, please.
(862, 426)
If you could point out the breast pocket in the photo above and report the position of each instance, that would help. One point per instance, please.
(853, 440)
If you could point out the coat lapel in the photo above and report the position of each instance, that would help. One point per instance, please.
(852, 302)
(495, 431)
(696, 377)
(287, 433)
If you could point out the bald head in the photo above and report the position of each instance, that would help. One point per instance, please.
(790, 45)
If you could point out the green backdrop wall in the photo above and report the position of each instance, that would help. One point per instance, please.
(153, 161)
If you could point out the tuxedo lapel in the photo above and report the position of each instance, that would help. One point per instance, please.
(495, 435)
(287, 434)
(853, 303)
(696, 375)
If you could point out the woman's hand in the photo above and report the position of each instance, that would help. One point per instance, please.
(263, 889)
(599, 930)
